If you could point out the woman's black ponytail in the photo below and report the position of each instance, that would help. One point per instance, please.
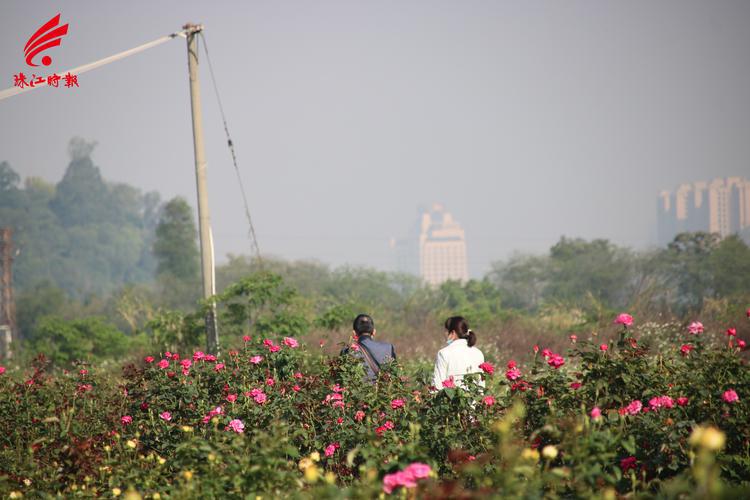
(471, 338)
(459, 325)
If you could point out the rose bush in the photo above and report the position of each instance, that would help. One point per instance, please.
(275, 417)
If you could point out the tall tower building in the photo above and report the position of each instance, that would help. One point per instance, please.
(442, 247)
(435, 249)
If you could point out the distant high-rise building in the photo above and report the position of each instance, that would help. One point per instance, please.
(721, 206)
(436, 249)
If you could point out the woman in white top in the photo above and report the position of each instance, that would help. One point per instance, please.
(459, 357)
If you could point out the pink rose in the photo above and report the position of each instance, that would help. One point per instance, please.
(290, 342)
(331, 449)
(555, 361)
(575, 385)
(390, 482)
(573, 338)
(219, 366)
(624, 319)
(198, 355)
(682, 401)
(603, 347)
(163, 364)
(513, 374)
(634, 407)
(730, 396)
(246, 338)
(695, 328)
(148, 359)
(231, 398)
(732, 332)
(235, 425)
(274, 348)
(397, 403)
(165, 416)
(488, 400)
(359, 416)
(126, 420)
(487, 368)
(685, 349)
(296, 388)
(740, 343)
(660, 402)
(449, 384)
(270, 382)
(260, 398)
(418, 470)
(256, 359)
(596, 413)
(186, 363)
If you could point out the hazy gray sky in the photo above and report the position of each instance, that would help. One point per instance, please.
(529, 120)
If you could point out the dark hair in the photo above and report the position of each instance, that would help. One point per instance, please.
(363, 324)
(459, 325)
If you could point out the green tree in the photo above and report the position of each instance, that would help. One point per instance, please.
(729, 263)
(686, 265)
(9, 179)
(175, 246)
(81, 197)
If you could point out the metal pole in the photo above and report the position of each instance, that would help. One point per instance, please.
(8, 331)
(207, 257)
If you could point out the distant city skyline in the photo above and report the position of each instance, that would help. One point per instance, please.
(721, 206)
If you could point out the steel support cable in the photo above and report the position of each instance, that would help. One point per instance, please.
(230, 144)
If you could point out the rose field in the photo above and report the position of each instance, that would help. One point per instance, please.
(655, 411)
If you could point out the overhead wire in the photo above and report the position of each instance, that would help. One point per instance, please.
(230, 144)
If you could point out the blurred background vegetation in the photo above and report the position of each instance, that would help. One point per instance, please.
(105, 271)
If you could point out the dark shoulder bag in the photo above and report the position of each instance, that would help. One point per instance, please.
(374, 366)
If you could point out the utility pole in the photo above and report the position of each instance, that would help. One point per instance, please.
(7, 306)
(207, 253)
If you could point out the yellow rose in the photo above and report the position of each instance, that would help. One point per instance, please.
(116, 492)
(131, 494)
(713, 439)
(130, 444)
(188, 475)
(530, 455)
(549, 452)
(330, 477)
(315, 456)
(312, 474)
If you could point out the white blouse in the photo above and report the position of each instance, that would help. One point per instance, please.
(456, 360)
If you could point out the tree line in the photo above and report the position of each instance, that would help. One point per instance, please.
(98, 259)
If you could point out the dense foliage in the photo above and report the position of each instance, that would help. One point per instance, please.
(660, 410)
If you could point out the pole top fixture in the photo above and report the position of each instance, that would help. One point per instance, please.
(193, 28)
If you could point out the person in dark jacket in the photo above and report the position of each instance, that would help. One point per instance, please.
(372, 352)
